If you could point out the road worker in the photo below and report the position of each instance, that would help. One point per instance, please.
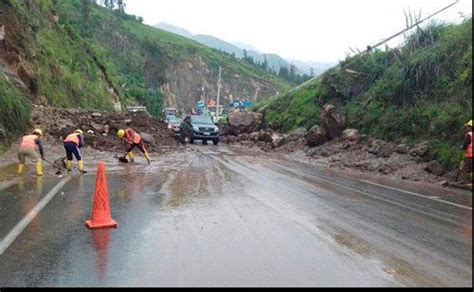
(467, 147)
(132, 139)
(29, 145)
(72, 144)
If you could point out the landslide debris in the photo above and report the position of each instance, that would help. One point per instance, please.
(332, 144)
(100, 128)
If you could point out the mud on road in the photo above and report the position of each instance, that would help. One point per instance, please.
(226, 216)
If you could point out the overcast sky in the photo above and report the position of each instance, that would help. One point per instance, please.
(312, 30)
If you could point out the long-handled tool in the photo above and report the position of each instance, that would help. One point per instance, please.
(55, 166)
(460, 170)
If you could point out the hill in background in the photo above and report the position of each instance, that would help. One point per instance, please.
(241, 50)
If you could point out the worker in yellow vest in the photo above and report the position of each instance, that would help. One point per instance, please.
(132, 139)
(29, 145)
(72, 144)
(467, 147)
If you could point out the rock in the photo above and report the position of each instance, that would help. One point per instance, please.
(351, 135)
(243, 137)
(381, 148)
(279, 142)
(106, 129)
(254, 136)
(403, 149)
(297, 134)
(420, 150)
(386, 151)
(444, 183)
(96, 115)
(435, 168)
(244, 122)
(333, 122)
(147, 138)
(316, 136)
(385, 169)
(373, 165)
(97, 127)
(232, 139)
(265, 137)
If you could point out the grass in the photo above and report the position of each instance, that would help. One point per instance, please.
(77, 61)
(420, 92)
(14, 108)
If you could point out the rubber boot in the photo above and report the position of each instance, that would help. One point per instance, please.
(69, 166)
(21, 167)
(39, 168)
(147, 158)
(131, 156)
(81, 166)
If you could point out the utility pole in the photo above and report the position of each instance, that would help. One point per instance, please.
(219, 85)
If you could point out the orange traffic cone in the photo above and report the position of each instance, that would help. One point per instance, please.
(101, 217)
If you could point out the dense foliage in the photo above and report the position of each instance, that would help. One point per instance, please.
(82, 54)
(420, 92)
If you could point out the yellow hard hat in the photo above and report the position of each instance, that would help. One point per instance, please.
(469, 124)
(38, 132)
(79, 131)
(121, 134)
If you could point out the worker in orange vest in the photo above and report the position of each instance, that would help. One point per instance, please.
(132, 139)
(72, 144)
(29, 145)
(467, 147)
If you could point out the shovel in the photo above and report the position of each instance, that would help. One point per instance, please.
(460, 170)
(121, 159)
(55, 164)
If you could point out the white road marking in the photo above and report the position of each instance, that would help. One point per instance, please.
(6, 185)
(18, 229)
(417, 195)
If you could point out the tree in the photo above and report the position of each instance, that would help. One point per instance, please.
(284, 73)
(121, 6)
(265, 63)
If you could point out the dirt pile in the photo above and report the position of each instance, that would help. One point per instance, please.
(100, 128)
(333, 145)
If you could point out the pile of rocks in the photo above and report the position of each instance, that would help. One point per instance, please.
(248, 128)
(100, 128)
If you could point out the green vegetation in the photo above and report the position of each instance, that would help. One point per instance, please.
(80, 54)
(420, 92)
(14, 109)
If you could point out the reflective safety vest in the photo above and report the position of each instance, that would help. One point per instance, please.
(132, 137)
(468, 152)
(29, 142)
(74, 138)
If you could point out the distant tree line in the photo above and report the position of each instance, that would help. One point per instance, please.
(289, 74)
(117, 5)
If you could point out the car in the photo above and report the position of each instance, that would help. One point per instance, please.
(199, 128)
(174, 124)
(169, 112)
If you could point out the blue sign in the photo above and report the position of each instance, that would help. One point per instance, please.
(247, 104)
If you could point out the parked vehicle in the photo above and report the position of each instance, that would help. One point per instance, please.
(169, 112)
(174, 124)
(199, 128)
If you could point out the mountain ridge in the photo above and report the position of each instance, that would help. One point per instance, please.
(275, 62)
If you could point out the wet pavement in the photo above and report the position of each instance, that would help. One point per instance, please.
(219, 216)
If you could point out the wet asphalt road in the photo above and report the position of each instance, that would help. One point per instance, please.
(219, 216)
